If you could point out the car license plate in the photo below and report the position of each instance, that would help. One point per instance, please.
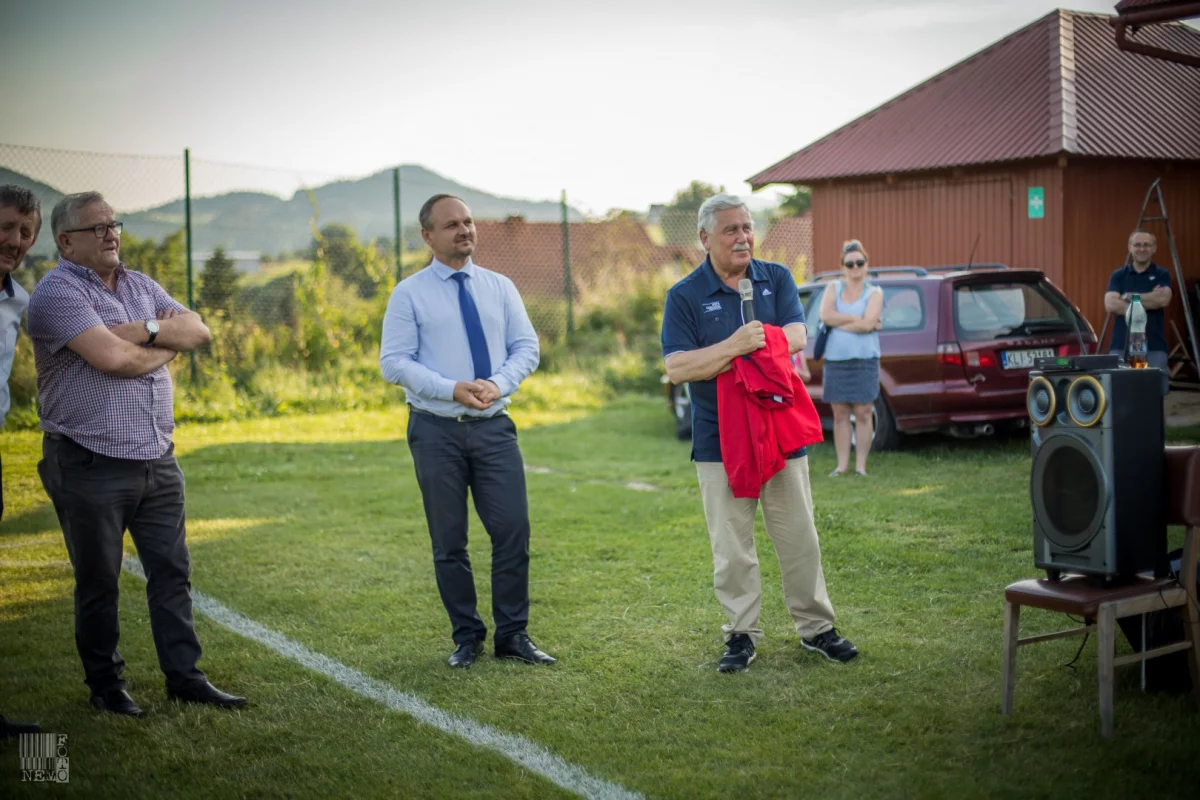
(1024, 359)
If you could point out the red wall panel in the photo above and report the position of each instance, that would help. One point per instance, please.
(1091, 207)
(936, 219)
(1104, 198)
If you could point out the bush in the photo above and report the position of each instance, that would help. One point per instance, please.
(299, 340)
(617, 335)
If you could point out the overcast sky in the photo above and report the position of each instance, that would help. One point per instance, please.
(620, 102)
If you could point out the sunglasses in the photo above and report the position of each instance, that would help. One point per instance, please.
(852, 264)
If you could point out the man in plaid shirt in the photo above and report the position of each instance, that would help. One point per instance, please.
(102, 336)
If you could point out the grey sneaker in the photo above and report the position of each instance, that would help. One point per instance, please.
(831, 645)
(739, 652)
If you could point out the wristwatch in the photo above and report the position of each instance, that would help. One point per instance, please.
(152, 329)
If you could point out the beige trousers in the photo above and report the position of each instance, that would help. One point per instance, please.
(787, 512)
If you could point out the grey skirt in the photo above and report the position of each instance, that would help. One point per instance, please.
(852, 381)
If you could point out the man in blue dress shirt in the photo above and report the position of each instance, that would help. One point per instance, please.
(20, 221)
(457, 338)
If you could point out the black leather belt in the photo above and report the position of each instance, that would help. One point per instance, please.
(459, 418)
(57, 437)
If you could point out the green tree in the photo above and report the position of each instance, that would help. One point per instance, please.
(796, 204)
(165, 261)
(335, 246)
(622, 214)
(218, 282)
(359, 265)
(679, 217)
(692, 197)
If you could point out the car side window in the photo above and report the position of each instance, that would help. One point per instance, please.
(903, 309)
(811, 300)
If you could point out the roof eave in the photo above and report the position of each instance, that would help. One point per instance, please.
(815, 178)
(755, 180)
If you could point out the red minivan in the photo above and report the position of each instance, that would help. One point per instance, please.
(957, 345)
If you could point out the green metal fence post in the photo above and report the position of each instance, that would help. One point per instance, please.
(567, 283)
(187, 217)
(396, 212)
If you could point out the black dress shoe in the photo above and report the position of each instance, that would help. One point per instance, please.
(522, 648)
(466, 654)
(14, 729)
(117, 701)
(206, 694)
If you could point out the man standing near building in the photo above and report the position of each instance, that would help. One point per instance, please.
(102, 336)
(702, 333)
(1141, 276)
(457, 338)
(20, 221)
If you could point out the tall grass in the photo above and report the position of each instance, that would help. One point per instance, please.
(304, 340)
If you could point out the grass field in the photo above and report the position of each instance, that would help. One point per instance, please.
(312, 526)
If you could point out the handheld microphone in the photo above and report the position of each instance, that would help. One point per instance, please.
(746, 290)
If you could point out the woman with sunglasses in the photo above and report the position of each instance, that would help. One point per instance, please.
(850, 310)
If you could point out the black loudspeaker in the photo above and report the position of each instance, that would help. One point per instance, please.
(1096, 482)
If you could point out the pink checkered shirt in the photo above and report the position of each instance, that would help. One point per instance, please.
(130, 418)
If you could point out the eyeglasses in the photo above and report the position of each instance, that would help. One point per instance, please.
(853, 264)
(101, 229)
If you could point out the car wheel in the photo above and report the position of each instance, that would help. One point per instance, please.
(681, 402)
(883, 427)
(886, 436)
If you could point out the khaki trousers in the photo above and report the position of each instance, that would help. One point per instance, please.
(787, 512)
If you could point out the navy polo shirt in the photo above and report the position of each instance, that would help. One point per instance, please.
(1127, 279)
(702, 311)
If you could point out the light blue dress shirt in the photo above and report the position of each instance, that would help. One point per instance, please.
(425, 348)
(13, 302)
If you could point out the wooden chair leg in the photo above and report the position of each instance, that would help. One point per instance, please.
(1106, 642)
(1192, 625)
(1191, 612)
(1012, 620)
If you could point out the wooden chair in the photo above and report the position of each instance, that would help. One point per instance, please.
(1077, 595)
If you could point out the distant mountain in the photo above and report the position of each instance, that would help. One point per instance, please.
(47, 194)
(264, 222)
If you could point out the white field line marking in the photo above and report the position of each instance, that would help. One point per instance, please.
(532, 756)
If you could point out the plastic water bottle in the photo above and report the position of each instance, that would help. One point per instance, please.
(1135, 324)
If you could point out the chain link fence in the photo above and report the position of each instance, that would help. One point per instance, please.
(292, 269)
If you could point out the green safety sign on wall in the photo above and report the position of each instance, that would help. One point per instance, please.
(1037, 202)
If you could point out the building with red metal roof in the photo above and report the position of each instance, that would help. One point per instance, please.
(1036, 152)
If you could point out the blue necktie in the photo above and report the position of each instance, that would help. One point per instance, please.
(475, 337)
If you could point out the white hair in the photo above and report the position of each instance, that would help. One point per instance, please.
(706, 217)
(65, 211)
